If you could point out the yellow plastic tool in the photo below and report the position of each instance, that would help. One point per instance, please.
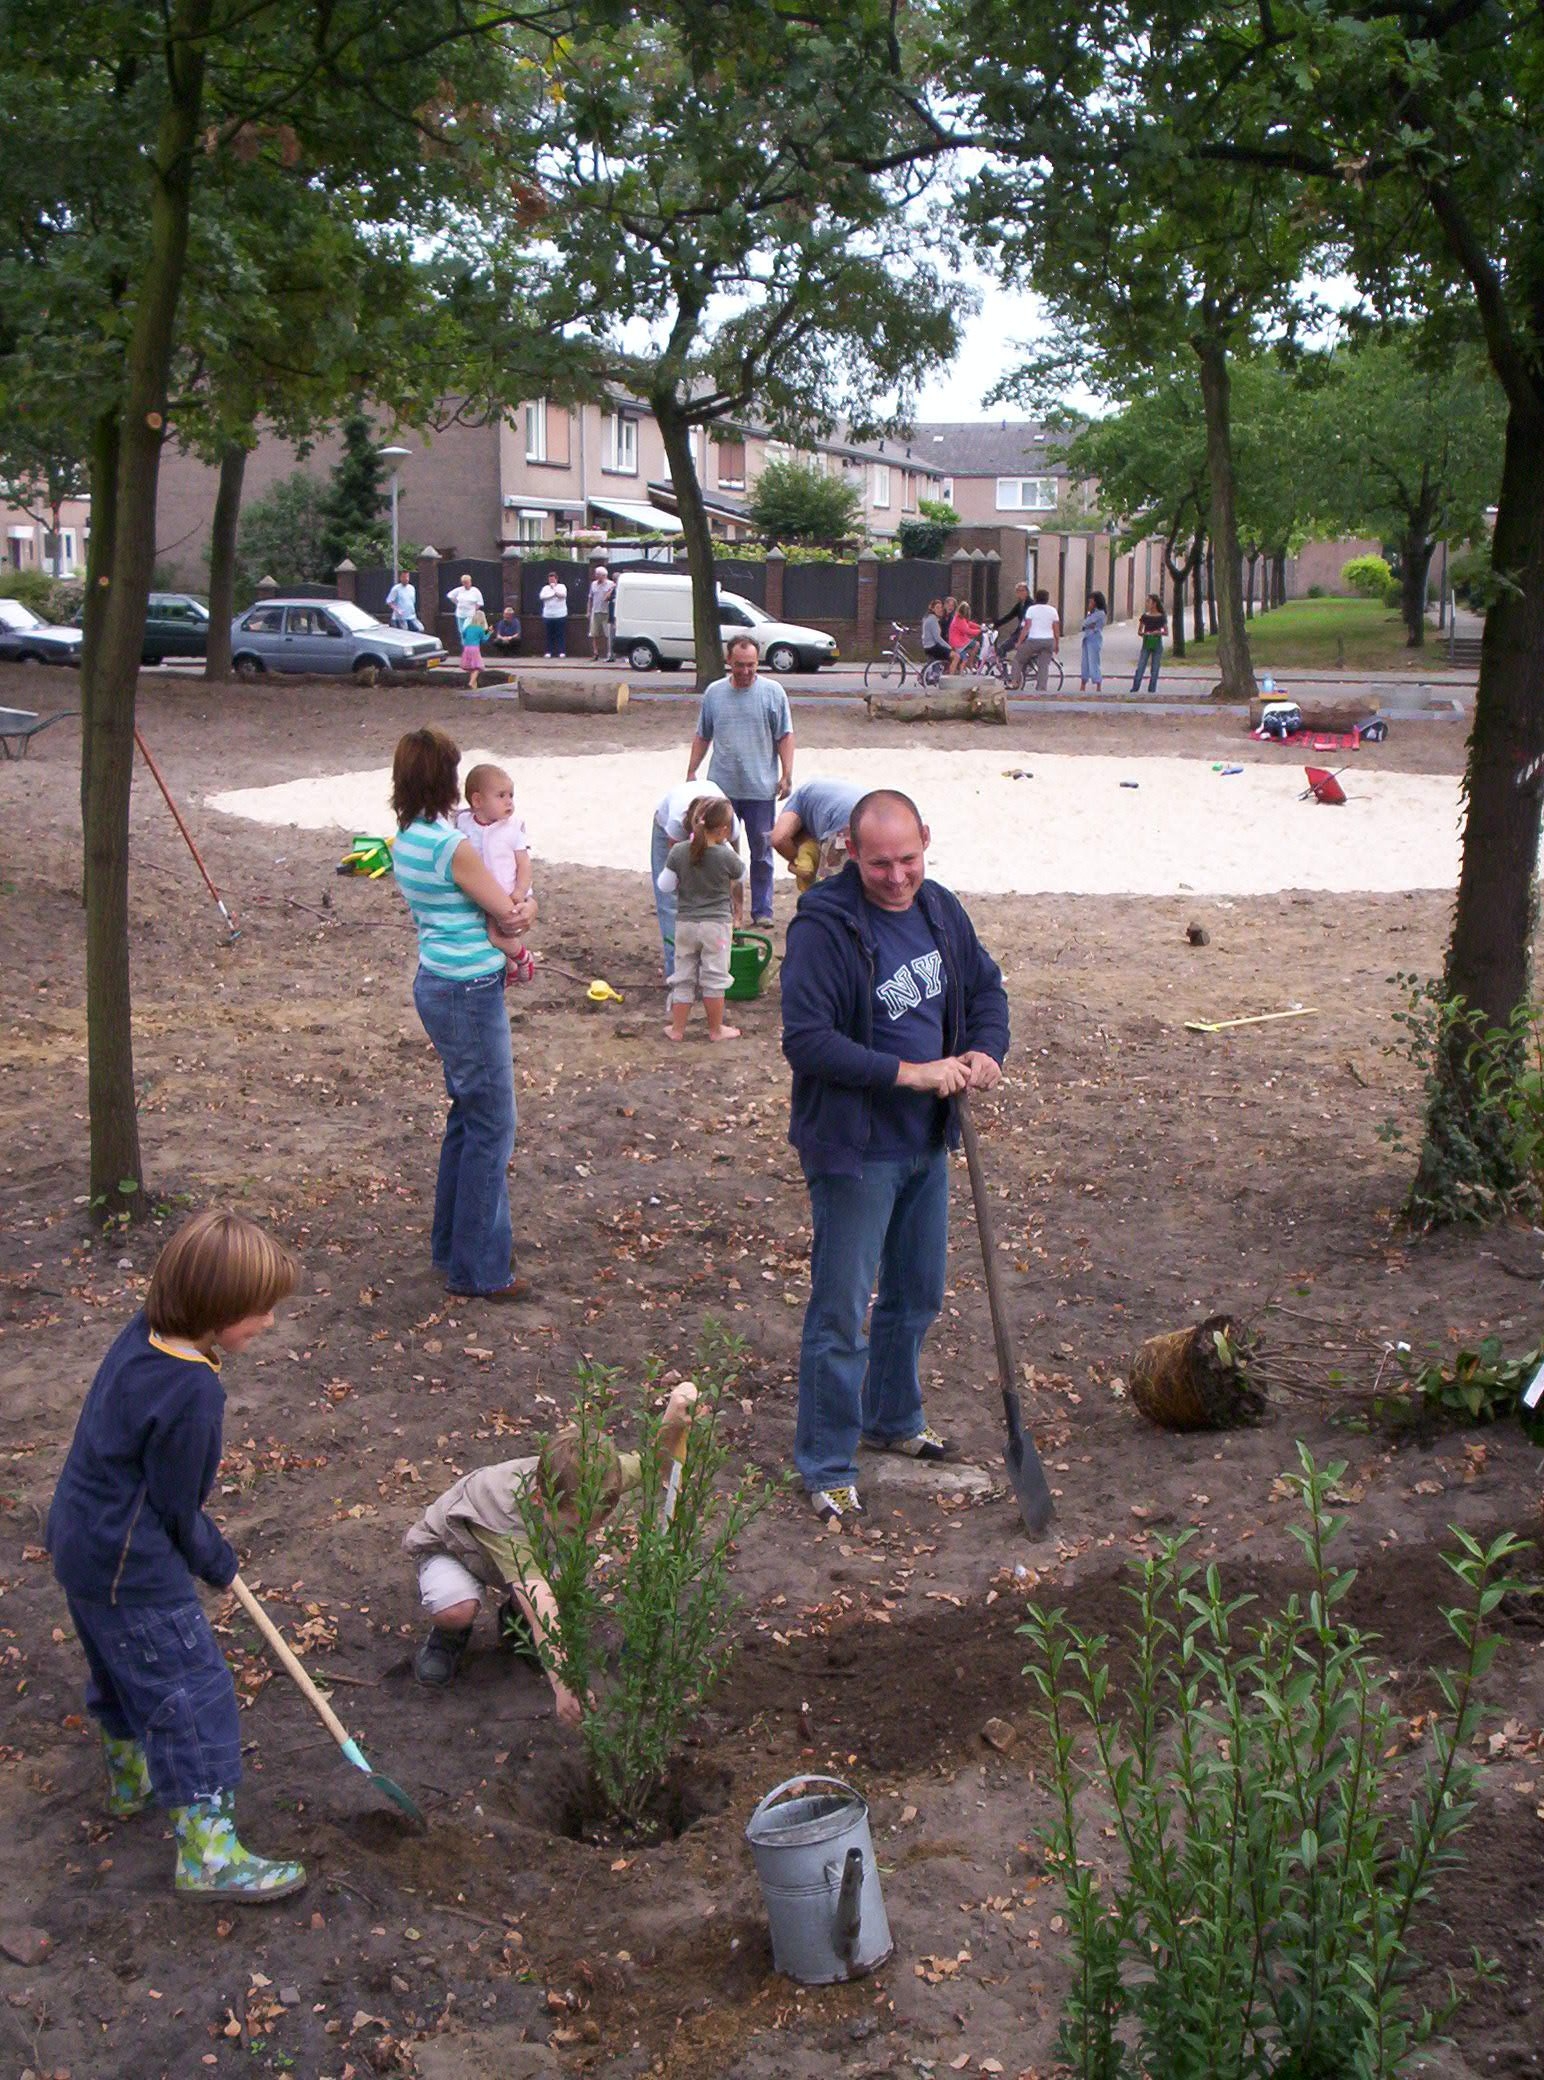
(1261, 1018)
(601, 992)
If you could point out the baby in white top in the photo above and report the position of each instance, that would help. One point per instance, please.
(489, 820)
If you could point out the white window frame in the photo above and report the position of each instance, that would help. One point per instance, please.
(536, 429)
(622, 444)
(946, 490)
(1011, 495)
(532, 527)
(881, 486)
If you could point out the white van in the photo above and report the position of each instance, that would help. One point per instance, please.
(654, 626)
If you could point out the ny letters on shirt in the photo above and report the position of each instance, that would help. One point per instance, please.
(911, 982)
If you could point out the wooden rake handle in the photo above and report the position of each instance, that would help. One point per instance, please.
(294, 1667)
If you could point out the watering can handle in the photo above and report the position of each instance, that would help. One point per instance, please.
(847, 1921)
(788, 1784)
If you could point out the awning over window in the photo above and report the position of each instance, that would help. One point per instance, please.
(645, 518)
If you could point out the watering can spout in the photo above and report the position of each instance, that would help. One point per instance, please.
(847, 1922)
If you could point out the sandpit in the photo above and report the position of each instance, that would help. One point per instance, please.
(1072, 828)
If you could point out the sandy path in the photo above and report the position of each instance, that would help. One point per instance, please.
(1071, 829)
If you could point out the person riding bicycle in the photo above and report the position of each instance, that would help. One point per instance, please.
(933, 644)
(962, 633)
(1013, 620)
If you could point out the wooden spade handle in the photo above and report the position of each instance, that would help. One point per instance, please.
(294, 1667)
(986, 1233)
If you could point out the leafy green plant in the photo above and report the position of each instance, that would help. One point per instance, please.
(1481, 1151)
(1260, 1916)
(925, 536)
(654, 1591)
(1371, 577)
(35, 589)
(1471, 1387)
(794, 502)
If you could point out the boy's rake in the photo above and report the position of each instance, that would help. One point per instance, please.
(295, 1668)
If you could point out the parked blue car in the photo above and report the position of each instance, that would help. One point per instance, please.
(324, 636)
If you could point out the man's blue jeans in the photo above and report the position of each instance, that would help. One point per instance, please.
(470, 1240)
(758, 819)
(890, 1225)
(664, 906)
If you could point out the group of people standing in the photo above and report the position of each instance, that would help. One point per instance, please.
(1031, 627)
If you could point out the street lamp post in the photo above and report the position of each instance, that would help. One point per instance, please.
(395, 456)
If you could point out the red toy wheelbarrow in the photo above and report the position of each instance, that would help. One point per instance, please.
(1323, 786)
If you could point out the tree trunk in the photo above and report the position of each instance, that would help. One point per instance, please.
(1415, 553)
(570, 696)
(1236, 671)
(1197, 605)
(222, 561)
(99, 564)
(110, 670)
(1211, 589)
(1254, 558)
(982, 701)
(696, 535)
(1279, 578)
(1487, 963)
(1177, 618)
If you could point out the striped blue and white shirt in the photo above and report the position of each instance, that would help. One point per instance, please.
(452, 929)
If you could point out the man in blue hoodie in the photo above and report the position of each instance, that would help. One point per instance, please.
(891, 1006)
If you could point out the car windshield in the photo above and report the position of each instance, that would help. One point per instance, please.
(353, 618)
(14, 615)
(753, 614)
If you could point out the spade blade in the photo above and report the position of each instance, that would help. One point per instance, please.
(1025, 1470)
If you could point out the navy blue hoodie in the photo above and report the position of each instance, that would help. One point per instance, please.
(828, 1015)
(127, 1523)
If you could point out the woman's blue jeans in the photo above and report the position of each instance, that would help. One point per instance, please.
(664, 906)
(891, 1225)
(469, 1025)
(1148, 661)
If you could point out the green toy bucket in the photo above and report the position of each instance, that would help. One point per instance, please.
(750, 956)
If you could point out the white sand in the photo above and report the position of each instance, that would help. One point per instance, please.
(1070, 830)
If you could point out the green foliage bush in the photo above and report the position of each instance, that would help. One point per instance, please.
(1370, 577)
(1481, 1148)
(925, 536)
(1472, 577)
(35, 589)
(1470, 1388)
(281, 536)
(793, 502)
(1259, 1913)
(657, 1592)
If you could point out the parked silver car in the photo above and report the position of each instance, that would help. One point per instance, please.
(324, 636)
(26, 638)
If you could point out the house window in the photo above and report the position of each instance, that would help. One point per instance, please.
(731, 465)
(1026, 494)
(536, 430)
(622, 444)
(946, 490)
(881, 484)
(531, 527)
(65, 548)
(909, 492)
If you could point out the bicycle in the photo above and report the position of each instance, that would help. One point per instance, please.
(892, 664)
(1015, 673)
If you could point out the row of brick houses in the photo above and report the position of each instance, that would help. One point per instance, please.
(553, 473)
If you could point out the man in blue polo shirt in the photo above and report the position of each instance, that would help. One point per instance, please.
(747, 721)
(891, 1006)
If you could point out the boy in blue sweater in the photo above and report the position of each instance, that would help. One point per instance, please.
(129, 1541)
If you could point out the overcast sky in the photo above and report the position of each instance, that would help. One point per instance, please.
(988, 349)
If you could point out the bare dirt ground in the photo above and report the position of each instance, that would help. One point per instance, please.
(1147, 1176)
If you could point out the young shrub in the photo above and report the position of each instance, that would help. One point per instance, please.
(1481, 1151)
(1259, 1917)
(645, 1611)
(35, 589)
(1370, 578)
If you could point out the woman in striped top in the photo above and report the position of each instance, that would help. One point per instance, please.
(459, 995)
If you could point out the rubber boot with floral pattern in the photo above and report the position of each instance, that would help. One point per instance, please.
(212, 1864)
(128, 1777)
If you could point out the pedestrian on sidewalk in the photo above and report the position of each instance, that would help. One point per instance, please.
(554, 615)
(1091, 663)
(1152, 627)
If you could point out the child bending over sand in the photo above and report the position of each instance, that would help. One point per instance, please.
(474, 1537)
(499, 840)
